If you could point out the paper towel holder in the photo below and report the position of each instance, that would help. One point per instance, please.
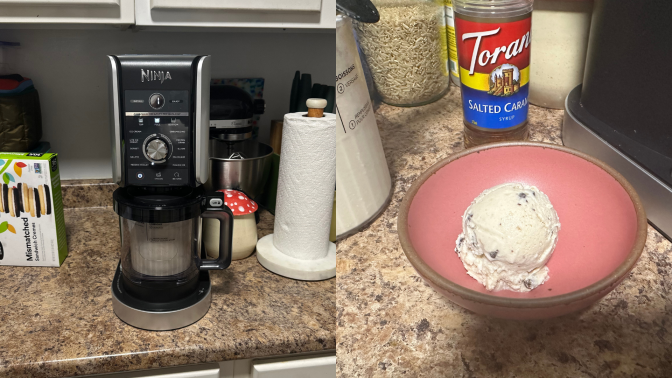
(277, 262)
(273, 259)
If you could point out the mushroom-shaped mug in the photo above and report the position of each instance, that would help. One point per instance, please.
(244, 226)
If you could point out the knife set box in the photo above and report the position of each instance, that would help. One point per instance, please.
(32, 227)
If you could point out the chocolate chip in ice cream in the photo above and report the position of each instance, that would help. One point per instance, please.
(469, 216)
(460, 240)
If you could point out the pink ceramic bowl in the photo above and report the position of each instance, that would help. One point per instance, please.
(603, 226)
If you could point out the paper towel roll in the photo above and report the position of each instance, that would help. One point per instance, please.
(306, 183)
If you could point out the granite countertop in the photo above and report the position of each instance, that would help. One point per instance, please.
(390, 323)
(59, 322)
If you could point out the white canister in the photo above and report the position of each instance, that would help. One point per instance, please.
(560, 30)
(363, 182)
(244, 237)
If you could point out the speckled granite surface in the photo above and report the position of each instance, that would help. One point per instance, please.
(87, 193)
(58, 322)
(391, 324)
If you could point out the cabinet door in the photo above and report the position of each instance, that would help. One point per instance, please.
(67, 11)
(294, 14)
(316, 367)
(239, 5)
(193, 371)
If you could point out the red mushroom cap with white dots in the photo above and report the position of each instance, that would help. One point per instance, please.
(238, 202)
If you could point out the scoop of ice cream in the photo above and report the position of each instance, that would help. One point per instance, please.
(509, 233)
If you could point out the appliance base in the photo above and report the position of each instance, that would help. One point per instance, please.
(277, 262)
(194, 307)
(655, 195)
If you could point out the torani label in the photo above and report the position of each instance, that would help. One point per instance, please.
(494, 60)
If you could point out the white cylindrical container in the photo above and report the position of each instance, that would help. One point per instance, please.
(560, 30)
(363, 184)
(244, 238)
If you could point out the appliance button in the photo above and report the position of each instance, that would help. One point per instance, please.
(216, 202)
(140, 175)
(157, 101)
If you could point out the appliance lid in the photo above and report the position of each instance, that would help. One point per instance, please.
(158, 205)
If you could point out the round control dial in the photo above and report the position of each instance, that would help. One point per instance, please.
(157, 101)
(157, 148)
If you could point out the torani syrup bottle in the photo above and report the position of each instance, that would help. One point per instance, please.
(493, 48)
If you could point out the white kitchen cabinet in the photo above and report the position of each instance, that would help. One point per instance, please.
(118, 12)
(249, 5)
(192, 371)
(304, 366)
(310, 365)
(316, 367)
(292, 14)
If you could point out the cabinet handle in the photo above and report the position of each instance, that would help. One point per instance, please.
(62, 3)
(245, 5)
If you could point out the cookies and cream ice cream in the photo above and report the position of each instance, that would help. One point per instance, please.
(509, 233)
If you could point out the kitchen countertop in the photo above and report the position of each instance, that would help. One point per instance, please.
(391, 323)
(59, 322)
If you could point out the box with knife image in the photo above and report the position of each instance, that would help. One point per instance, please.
(32, 226)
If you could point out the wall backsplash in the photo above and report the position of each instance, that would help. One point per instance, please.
(69, 70)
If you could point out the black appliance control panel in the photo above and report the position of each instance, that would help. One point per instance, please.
(157, 137)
